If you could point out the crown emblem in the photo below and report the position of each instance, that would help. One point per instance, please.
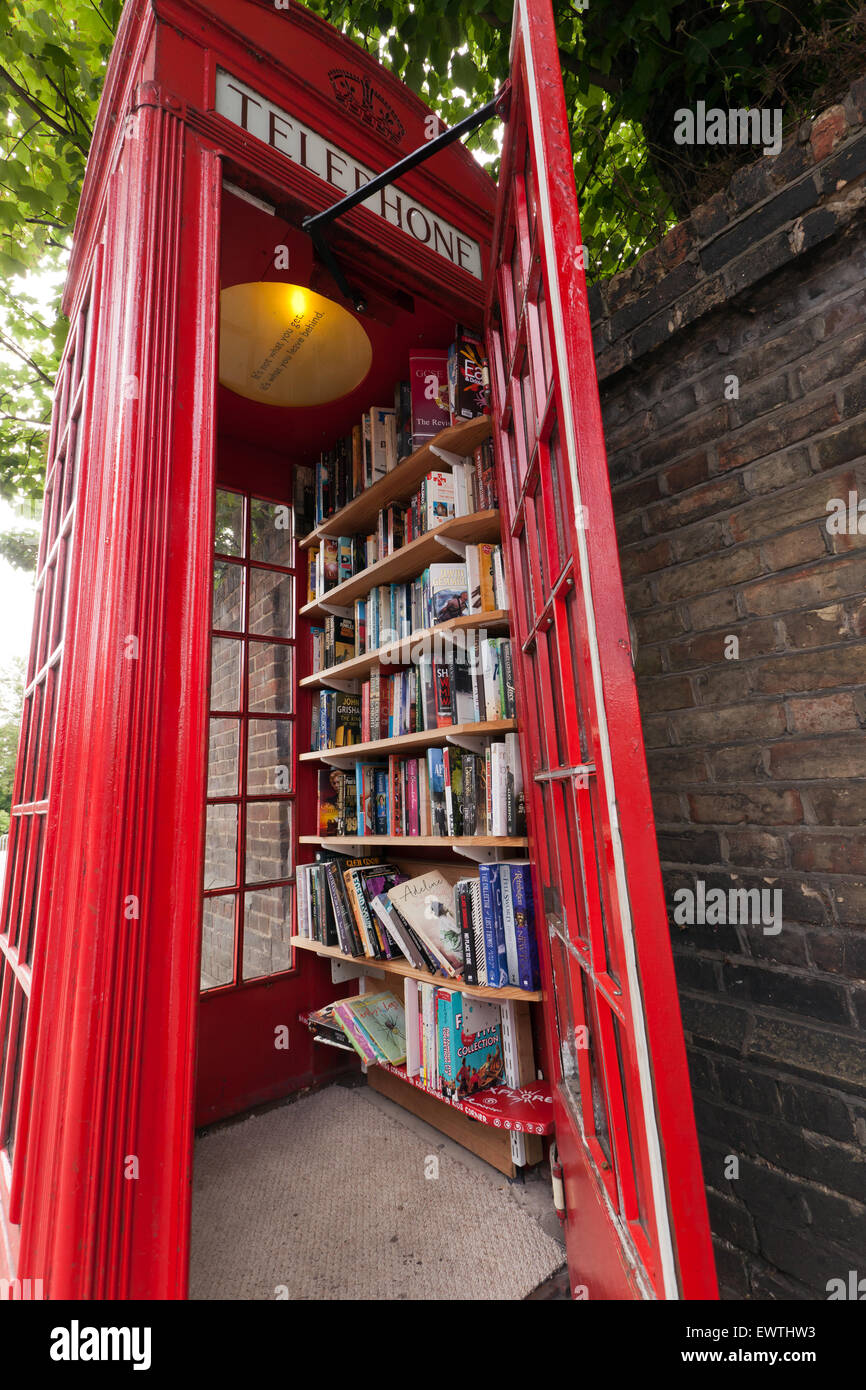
(359, 96)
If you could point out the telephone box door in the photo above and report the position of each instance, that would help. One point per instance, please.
(637, 1221)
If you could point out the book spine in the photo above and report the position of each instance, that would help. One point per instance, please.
(488, 875)
(463, 900)
(524, 926)
(508, 925)
(341, 914)
(412, 819)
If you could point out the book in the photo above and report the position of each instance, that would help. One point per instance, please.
(468, 379)
(444, 711)
(470, 1053)
(383, 1020)
(428, 379)
(348, 724)
(354, 1032)
(449, 595)
(427, 904)
(328, 802)
(437, 491)
(495, 955)
(524, 925)
(436, 783)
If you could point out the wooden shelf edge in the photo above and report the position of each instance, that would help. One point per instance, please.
(392, 652)
(406, 556)
(403, 969)
(461, 438)
(422, 841)
(422, 738)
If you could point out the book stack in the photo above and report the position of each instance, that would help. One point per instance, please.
(461, 683)
(373, 1024)
(477, 586)
(444, 791)
(479, 930)
(453, 1041)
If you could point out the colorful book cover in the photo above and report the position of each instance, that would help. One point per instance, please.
(348, 725)
(479, 1047)
(330, 560)
(487, 592)
(436, 782)
(427, 903)
(468, 378)
(444, 711)
(449, 595)
(329, 801)
(437, 491)
(381, 803)
(354, 1032)
(344, 639)
(495, 955)
(524, 925)
(428, 389)
(383, 1019)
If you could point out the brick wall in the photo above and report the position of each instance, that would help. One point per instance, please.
(756, 748)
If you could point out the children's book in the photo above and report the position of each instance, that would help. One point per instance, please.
(383, 1019)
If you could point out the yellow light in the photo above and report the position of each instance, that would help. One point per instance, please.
(286, 345)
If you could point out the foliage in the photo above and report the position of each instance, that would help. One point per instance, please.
(628, 65)
(11, 702)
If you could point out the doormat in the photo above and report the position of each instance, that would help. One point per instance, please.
(330, 1198)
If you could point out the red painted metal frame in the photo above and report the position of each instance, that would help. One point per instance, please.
(105, 1193)
(619, 1217)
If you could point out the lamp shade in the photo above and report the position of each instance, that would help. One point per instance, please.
(286, 345)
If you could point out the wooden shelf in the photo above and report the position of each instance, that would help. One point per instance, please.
(424, 738)
(399, 653)
(404, 969)
(359, 516)
(410, 842)
(408, 561)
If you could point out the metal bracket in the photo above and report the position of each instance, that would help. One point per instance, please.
(324, 756)
(458, 547)
(479, 854)
(342, 970)
(473, 743)
(334, 683)
(334, 608)
(312, 225)
(446, 455)
(512, 1075)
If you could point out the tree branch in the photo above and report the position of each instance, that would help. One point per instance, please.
(40, 110)
(19, 352)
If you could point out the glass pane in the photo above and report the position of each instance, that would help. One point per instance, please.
(218, 941)
(566, 1022)
(555, 686)
(221, 842)
(225, 673)
(529, 184)
(30, 924)
(229, 523)
(516, 279)
(544, 327)
(559, 495)
(572, 864)
(600, 838)
(223, 757)
(228, 596)
(637, 1170)
(269, 841)
(267, 932)
(271, 603)
(17, 1060)
(575, 648)
(49, 718)
(271, 533)
(269, 756)
(599, 1108)
(270, 678)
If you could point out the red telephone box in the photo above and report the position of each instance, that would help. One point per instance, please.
(140, 813)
